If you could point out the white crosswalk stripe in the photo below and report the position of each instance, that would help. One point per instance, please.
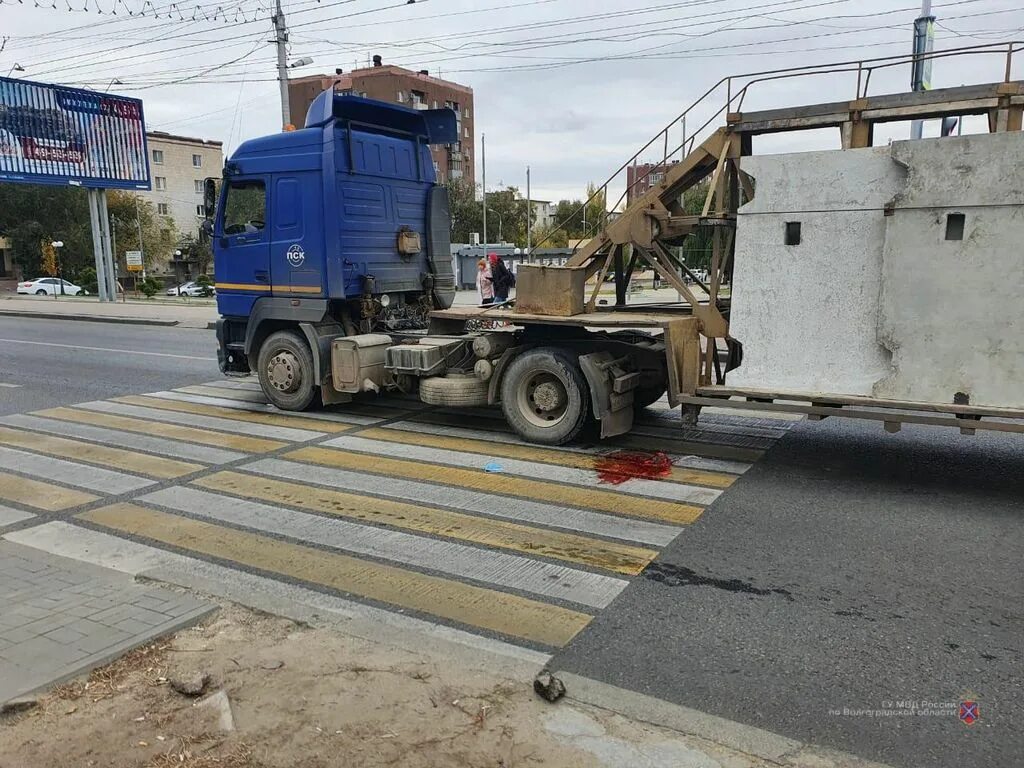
(70, 473)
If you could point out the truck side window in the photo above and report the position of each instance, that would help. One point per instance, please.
(246, 207)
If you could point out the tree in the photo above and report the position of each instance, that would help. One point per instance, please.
(197, 249)
(465, 209)
(127, 213)
(48, 263)
(205, 285)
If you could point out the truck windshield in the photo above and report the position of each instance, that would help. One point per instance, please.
(245, 209)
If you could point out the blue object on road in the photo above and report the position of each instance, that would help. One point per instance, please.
(493, 466)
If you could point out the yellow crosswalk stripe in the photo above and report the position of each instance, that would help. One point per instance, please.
(172, 431)
(269, 419)
(532, 453)
(44, 496)
(539, 490)
(100, 455)
(621, 558)
(466, 604)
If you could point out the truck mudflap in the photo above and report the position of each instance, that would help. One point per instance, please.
(611, 390)
(439, 250)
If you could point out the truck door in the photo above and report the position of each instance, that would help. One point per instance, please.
(296, 246)
(243, 266)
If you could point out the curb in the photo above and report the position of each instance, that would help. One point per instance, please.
(91, 318)
(765, 745)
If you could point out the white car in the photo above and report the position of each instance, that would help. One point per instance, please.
(48, 286)
(191, 288)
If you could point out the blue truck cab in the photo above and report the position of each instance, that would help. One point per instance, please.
(338, 228)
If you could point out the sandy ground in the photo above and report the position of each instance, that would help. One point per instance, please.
(303, 697)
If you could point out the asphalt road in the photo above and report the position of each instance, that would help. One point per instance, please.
(848, 571)
(45, 363)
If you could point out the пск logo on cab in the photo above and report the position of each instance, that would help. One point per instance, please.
(296, 256)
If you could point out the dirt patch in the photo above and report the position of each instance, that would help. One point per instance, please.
(299, 698)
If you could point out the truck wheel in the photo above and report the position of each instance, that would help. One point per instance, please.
(285, 369)
(455, 389)
(545, 396)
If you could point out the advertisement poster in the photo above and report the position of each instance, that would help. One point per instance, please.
(50, 134)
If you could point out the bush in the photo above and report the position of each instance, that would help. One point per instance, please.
(205, 285)
(86, 278)
(149, 287)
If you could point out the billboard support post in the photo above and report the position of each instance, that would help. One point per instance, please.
(97, 245)
(108, 250)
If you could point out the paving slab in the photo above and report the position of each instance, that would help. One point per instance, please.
(62, 617)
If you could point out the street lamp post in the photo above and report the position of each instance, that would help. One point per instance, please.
(16, 68)
(501, 237)
(57, 245)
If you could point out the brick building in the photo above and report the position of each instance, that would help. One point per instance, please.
(641, 178)
(401, 86)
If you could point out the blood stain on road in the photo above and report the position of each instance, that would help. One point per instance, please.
(620, 466)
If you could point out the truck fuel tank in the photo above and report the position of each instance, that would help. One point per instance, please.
(357, 362)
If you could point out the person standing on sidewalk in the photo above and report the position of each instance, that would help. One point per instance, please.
(483, 282)
(501, 278)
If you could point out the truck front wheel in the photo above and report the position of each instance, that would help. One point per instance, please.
(285, 369)
(545, 396)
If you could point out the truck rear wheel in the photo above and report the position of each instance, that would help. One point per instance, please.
(285, 370)
(545, 396)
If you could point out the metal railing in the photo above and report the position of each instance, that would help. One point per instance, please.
(736, 88)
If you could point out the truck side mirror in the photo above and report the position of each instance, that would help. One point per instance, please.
(210, 198)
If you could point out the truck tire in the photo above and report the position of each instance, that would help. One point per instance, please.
(455, 389)
(545, 396)
(285, 369)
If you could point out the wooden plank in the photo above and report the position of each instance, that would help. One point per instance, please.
(682, 355)
(756, 393)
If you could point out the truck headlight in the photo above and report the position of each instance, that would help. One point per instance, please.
(385, 300)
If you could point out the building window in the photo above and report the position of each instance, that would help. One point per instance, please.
(467, 113)
(161, 183)
(161, 208)
(158, 156)
(197, 161)
(401, 97)
(955, 223)
(465, 133)
(656, 178)
(199, 184)
(200, 210)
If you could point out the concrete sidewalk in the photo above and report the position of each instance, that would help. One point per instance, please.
(62, 617)
(144, 312)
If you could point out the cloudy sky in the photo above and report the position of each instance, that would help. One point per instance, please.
(570, 87)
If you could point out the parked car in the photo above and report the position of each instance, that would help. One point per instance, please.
(48, 286)
(191, 288)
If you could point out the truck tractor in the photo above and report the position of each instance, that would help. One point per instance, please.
(331, 251)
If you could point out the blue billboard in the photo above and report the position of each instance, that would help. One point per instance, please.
(50, 134)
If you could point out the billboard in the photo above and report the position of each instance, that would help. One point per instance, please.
(50, 134)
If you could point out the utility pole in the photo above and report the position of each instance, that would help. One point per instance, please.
(529, 216)
(483, 163)
(281, 40)
(924, 44)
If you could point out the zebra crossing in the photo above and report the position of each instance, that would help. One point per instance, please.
(386, 507)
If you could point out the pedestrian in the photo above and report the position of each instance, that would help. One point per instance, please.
(501, 278)
(483, 282)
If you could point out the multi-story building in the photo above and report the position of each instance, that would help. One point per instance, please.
(543, 214)
(402, 86)
(641, 178)
(179, 166)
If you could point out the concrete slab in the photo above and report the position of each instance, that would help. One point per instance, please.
(54, 630)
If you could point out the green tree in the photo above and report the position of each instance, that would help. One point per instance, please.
(199, 249)
(127, 213)
(205, 285)
(465, 209)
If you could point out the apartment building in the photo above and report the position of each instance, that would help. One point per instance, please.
(641, 178)
(179, 166)
(401, 86)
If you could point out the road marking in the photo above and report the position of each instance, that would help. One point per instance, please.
(157, 445)
(261, 592)
(276, 419)
(454, 497)
(619, 558)
(79, 475)
(5, 385)
(238, 405)
(562, 458)
(104, 456)
(586, 478)
(465, 604)
(447, 557)
(235, 383)
(10, 516)
(204, 421)
(44, 496)
(500, 484)
(173, 431)
(243, 395)
(105, 349)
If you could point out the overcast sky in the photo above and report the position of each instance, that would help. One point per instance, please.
(571, 87)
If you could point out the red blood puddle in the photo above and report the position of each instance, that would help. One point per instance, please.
(620, 466)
